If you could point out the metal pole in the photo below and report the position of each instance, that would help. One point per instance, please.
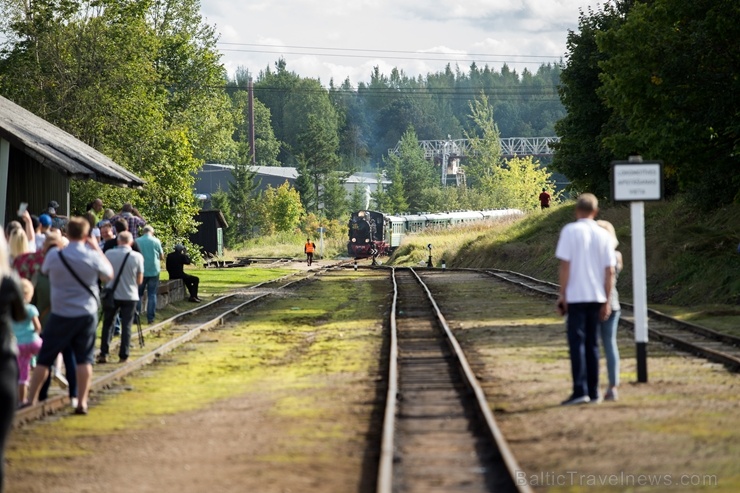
(252, 151)
(321, 243)
(639, 283)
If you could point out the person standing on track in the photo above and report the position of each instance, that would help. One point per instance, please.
(308, 249)
(587, 261)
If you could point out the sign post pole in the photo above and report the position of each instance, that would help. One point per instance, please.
(321, 243)
(639, 287)
(636, 181)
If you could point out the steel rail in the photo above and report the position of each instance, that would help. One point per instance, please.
(387, 449)
(730, 361)
(512, 466)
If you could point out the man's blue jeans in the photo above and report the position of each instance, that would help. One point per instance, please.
(151, 285)
(583, 341)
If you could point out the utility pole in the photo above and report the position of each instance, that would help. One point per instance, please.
(250, 93)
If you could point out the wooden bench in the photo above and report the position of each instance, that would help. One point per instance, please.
(168, 292)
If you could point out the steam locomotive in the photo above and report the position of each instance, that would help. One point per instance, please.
(373, 233)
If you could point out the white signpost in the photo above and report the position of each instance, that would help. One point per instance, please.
(321, 243)
(636, 181)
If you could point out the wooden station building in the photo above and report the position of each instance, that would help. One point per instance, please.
(38, 161)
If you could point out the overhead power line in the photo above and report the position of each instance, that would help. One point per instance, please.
(387, 51)
(451, 58)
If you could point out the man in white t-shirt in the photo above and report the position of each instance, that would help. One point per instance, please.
(128, 268)
(587, 261)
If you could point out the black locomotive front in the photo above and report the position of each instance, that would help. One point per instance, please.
(366, 235)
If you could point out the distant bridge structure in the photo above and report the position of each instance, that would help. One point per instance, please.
(448, 153)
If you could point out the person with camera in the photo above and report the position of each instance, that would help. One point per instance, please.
(123, 295)
(176, 262)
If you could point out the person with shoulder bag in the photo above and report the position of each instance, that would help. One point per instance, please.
(73, 276)
(122, 294)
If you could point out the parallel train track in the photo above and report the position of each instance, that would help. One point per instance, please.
(439, 434)
(167, 336)
(705, 342)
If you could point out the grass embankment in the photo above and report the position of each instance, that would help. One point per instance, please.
(691, 256)
(288, 245)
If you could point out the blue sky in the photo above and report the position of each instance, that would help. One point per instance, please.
(338, 39)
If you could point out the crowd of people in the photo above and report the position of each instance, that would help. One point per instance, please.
(57, 273)
(68, 270)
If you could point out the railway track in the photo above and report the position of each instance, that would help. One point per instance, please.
(168, 335)
(439, 434)
(702, 341)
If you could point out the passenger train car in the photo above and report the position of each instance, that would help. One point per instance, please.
(373, 233)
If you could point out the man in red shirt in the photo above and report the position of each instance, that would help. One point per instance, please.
(544, 199)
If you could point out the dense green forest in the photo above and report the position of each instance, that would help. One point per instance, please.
(142, 82)
(371, 117)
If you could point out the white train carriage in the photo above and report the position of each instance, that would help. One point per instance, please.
(391, 229)
(395, 230)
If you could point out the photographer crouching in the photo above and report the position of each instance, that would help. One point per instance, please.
(176, 261)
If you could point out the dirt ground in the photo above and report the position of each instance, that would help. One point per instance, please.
(680, 431)
(283, 400)
(287, 399)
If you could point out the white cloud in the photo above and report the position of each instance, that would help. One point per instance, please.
(495, 31)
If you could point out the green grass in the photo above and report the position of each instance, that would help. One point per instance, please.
(217, 282)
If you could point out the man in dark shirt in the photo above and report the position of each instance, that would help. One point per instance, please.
(175, 268)
(544, 199)
(119, 226)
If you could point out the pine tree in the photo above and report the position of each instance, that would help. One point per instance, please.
(396, 196)
(305, 187)
(334, 197)
(241, 193)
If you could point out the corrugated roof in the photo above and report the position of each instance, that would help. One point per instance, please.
(58, 150)
(279, 171)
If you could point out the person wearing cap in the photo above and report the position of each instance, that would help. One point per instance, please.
(151, 249)
(176, 262)
(43, 229)
(57, 220)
